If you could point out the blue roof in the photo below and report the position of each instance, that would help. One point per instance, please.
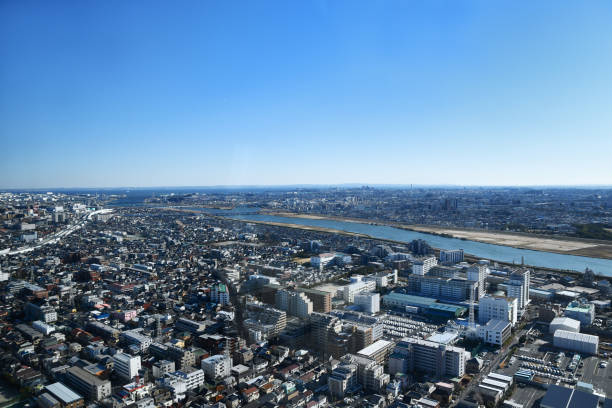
(562, 397)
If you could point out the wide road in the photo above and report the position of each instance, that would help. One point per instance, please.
(57, 236)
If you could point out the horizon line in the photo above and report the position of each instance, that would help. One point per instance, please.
(309, 185)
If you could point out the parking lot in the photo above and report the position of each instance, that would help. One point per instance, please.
(592, 372)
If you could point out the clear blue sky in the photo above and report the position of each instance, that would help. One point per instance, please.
(148, 93)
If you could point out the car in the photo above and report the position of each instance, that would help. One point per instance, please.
(603, 364)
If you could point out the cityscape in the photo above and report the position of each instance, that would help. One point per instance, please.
(305, 204)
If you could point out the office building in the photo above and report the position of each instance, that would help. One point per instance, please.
(495, 331)
(497, 307)
(126, 366)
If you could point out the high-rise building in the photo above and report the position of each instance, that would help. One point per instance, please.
(518, 287)
(498, 307)
(321, 300)
(451, 256)
(478, 273)
(294, 303)
(422, 266)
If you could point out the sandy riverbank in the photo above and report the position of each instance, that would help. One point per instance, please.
(567, 246)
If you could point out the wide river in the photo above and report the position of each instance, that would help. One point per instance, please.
(486, 251)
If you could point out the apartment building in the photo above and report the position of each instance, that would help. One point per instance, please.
(412, 354)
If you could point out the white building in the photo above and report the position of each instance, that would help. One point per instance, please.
(422, 266)
(564, 323)
(518, 287)
(136, 338)
(44, 328)
(478, 273)
(355, 288)
(369, 302)
(580, 342)
(126, 366)
(322, 260)
(217, 367)
(294, 303)
(496, 307)
(193, 377)
(583, 312)
(412, 354)
(495, 332)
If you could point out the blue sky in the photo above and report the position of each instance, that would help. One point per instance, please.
(147, 93)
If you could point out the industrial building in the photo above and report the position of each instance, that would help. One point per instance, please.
(580, 342)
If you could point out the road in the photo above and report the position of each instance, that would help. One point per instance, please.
(56, 237)
(492, 364)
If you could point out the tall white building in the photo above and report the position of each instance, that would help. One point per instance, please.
(217, 367)
(422, 266)
(518, 287)
(478, 273)
(126, 366)
(369, 302)
(497, 307)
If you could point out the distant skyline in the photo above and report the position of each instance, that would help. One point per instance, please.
(221, 93)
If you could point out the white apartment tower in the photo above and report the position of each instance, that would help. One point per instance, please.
(478, 273)
(518, 287)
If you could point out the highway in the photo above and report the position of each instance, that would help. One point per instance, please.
(57, 237)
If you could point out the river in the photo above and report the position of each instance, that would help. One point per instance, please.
(479, 249)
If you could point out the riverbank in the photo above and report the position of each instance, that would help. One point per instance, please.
(468, 257)
(564, 246)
